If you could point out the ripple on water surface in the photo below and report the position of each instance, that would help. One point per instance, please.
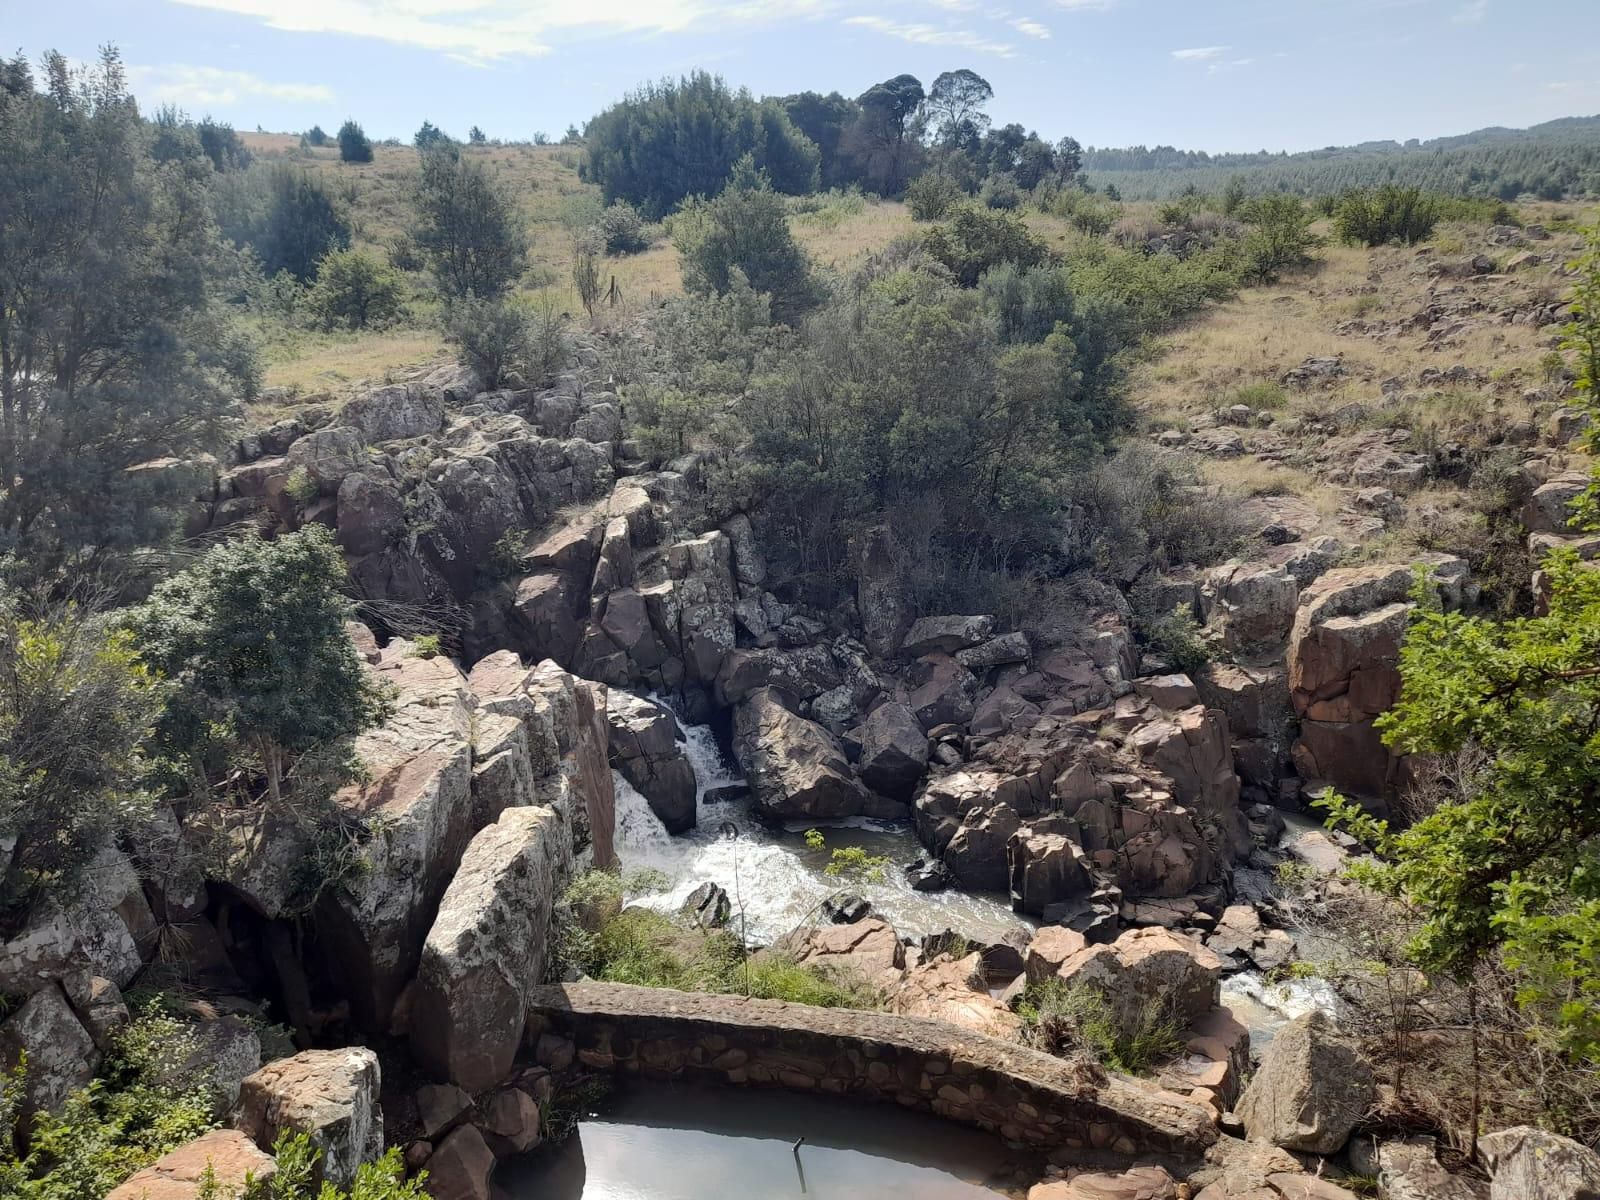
(658, 1142)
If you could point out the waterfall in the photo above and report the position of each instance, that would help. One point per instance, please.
(771, 874)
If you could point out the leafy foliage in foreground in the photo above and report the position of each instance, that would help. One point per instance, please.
(151, 1095)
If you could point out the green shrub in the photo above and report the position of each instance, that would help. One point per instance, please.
(148, 1097)
(1280, 236)
(623, 230)
(500, 336)
(1001, 191)
(744, 234)
(1176, 637)
(1262, 395)
(930, 196)
(356, 291)
(1061, 1018)
(1388, 214)
(296, 1177)
(975, 239)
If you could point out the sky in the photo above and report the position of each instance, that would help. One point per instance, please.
(1198, 74)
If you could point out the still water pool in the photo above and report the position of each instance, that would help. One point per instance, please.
(661, 1142)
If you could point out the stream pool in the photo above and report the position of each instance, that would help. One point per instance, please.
(666, 1142)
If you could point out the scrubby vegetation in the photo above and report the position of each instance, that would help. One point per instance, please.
(638, 945)
(1067, 1020)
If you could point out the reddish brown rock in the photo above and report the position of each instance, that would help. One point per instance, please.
(229, 1155)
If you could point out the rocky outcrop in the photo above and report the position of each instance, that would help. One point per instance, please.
(331, 1096)
(1251, 605)
(419, 785)
(644, 746)
(947, 635)
(879, 598)
(1310, 1090)
(797, 771)
(224, 1159)
(1525, 1161)
(488, 947)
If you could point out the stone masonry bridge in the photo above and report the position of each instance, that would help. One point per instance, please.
(1073, 1111)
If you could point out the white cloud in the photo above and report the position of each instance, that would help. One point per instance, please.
(486, 31)
(1086, 5)
(1231, 65)
(1200, 53)
(194, 87)
(1471, 13)
(933, 35)
(1029, 28)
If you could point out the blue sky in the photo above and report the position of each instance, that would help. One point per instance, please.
(1199, 74)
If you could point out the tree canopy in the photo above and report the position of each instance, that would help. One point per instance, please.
(675, 139)
(468, 227)
(111, 353)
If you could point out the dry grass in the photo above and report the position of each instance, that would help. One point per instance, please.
(335, 362)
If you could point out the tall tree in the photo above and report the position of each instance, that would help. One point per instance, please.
(469, 227)
(955, 108)
(111, 353)
(882, 138)
(824, 120)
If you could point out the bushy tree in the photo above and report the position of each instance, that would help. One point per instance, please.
(222, 145)
(354, 290)
(975, 239)
(75, 702)
(744, 233)
(468, 226)
(252, 639)
(1387, 214)
(497, 337)
(1279, 238)
(111, 353)
(931, 195)
(622, 229)
(477, 137)
(316, 136)
(430, 135)
(672, 140)
(824, 119)
(286, 214)
(353, 144)
(883, 140)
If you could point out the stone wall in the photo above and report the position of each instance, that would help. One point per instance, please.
(1072, 1110)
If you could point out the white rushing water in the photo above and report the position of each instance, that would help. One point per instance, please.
(772, 875)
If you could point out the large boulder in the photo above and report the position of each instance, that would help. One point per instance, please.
(226, 1158)
(869, 950)
(1311, 1089)
(1046, 868)
(894, 751)
(371, 513)
(1528, 1162)
(461, 1167)
(1549, 508)
(331, 1096)
(487, 947)
(797, 771)
(60, 1054)
(946, 634)
(955, 991)
(1144, 967)
(646, 749)
(327, 456)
